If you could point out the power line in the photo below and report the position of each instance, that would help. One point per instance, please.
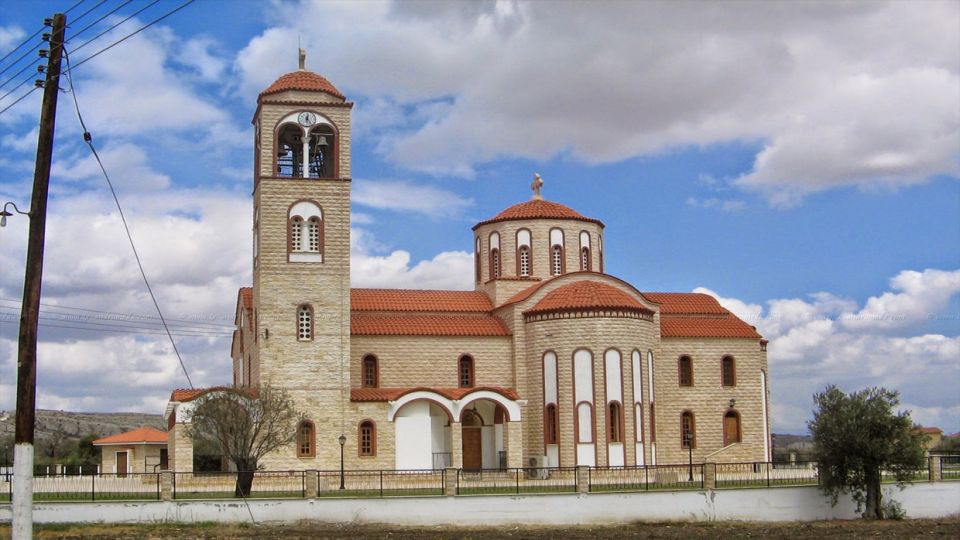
(21, 57)
(89, 140)
(55, 307)
(17, 87)
(19, 99)
(130, 35)
(96, 37)
(102, 17)
(14, 76)
(84, 14)
(122, 319)
(121, 331)
(24, 42)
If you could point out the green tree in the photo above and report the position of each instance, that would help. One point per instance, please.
(859, 436)
(244, 425)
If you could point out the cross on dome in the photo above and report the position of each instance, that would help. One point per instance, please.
(303, 59)
(536, 186)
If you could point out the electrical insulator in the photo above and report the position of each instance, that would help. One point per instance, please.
(38, 83)
(45, 37)
(48, 22)
(43, 53)
(41, 69)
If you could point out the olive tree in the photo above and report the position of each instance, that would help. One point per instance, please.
(245, 424)
(859, 436)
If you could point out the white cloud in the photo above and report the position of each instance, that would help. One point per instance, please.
(827, 339)
(371, 265)
(842, 94)
(403, 196)
(10, 36)
(729, 205)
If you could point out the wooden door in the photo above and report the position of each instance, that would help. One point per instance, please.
(731, 429)
(472, 452)
(121, 463)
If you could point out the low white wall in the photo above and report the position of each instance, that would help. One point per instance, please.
(761, 504)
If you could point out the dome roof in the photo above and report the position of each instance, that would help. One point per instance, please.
(587, 295)
(302, 80)
(538, 209)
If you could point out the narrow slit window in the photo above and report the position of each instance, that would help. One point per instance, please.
(296, 234)
(305, 323)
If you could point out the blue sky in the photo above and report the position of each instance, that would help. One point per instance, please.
(799, 161)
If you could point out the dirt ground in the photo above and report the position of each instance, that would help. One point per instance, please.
(919, 528)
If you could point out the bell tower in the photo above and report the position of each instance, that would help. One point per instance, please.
(301, 246)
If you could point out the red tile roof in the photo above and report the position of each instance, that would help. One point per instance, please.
(931, 430)
(143, 435)
(392, 394)
(419, 300)
(302, 80)
(246, 295)
(724, 326)
(364, 324)
(687, 303)
(586, 294)
(538, 209)
(524, 294)
(190, 394)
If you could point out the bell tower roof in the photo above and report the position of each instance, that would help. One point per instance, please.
(304, 80)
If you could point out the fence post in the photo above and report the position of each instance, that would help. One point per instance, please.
(93, 488)
(451, 481)
(381, 483)
(518, 480)
(311, 484)
(767, 466)
(583, 479)
(166, 485)
(709, 476)
(936, 468)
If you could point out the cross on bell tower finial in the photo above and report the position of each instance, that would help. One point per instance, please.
(536, 186)
(303, 59)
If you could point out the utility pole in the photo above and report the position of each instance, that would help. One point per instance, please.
(30, 308)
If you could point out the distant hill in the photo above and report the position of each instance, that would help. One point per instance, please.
(70, 427)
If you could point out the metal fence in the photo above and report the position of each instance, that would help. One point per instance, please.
(102, 487)
(420, 483)
(949, 467)
(764, 474)
(409, 483)
(645, 478)
(518, 480)
(222, 485)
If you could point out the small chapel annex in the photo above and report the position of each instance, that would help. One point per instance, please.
(549, 361)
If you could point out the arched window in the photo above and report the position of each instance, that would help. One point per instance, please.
(306, 147)
(305, 237)
(551, 424)
(465, 371)
(476, 261)
(524, 261)
(557, 261)
(313, 235)
(296, 233)
(731, 427)
(728, 371)
(614, 422)
(370, 378)
(306, 436)
(688, 430)
(367, 435)
(685, 371)
(305, 323)
(584, 422)
(600, 251)
(585, 258)
(494, 255)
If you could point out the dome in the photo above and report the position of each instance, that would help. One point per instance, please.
(587, 295)
(538, 209)
(307, 81)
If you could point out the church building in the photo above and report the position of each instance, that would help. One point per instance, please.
(548, 361)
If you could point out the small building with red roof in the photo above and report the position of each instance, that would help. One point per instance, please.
(137, 451)
(549, 360)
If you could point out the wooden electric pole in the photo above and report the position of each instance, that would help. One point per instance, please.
(30, 308)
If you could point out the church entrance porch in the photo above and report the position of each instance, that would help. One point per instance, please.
(423, 439)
